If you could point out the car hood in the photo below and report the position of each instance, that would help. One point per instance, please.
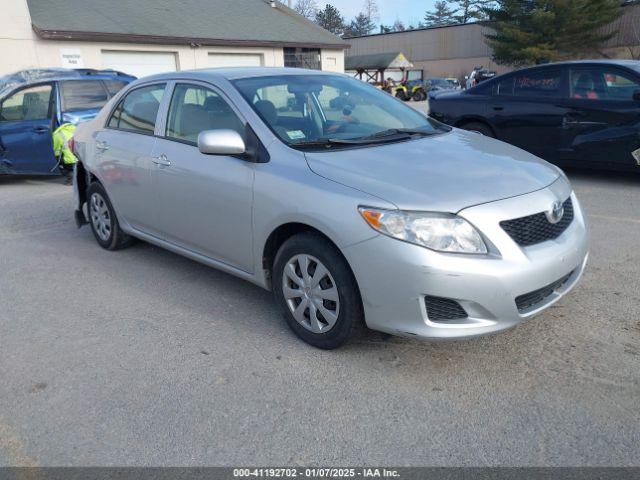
(444, 173)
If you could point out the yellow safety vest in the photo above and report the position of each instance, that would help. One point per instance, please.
(61, 137)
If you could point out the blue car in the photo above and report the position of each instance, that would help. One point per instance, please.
(33, 103)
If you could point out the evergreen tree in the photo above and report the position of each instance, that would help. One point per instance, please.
(440, 15)
(361, 25)
(470, 10)
(330, 19)
(538, 31)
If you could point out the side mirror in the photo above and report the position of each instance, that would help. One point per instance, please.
(636, 96)
(221, 142)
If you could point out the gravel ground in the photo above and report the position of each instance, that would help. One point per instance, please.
(142, 357)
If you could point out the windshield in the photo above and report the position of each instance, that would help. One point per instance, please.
(328, 110)
(439, 81)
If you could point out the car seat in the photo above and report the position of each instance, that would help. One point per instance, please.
(585, 87)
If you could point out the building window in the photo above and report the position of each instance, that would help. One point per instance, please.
(302, 58)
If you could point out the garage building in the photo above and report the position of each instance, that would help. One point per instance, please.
(143, 37)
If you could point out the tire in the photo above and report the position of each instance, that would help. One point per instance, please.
(103, 220)
(419, 96)
(335, 300)
(479, 127)
(400, 94)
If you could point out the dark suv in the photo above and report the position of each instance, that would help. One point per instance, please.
(583, 113)
(33, 103)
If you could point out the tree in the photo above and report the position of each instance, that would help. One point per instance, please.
(470, 10)
(361, 25)
(538, 31)
(440, 15)
(398, 26)
(370, 10)
(306, 8)
(330, 19)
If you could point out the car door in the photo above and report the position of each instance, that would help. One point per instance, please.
(602, 124)
(26, 119)
(123, 155)
(204, 201)
(525, 110)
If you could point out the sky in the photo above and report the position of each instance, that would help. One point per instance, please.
(409, 11)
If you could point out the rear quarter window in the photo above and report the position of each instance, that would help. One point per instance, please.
(82, 95)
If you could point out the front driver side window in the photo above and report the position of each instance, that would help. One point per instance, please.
(602, 83)
(31, 103)
(138, 110)
(195, 109)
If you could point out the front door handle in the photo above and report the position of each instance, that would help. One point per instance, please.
(41, 129)
(498, 108)
(102, 146)
(161, 160)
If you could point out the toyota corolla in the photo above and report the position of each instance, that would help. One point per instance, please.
(350, 211)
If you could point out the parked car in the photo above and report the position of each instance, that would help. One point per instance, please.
(477, 75)
(439, 84)
(454, 82)
(380, 215)
(583, 113)
(33, 103)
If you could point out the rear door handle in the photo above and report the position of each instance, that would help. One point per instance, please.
(161, 160)
(102, 146)
(41, 129)
(498, 108)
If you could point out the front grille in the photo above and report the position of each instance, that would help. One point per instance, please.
(536, 228)
(528, 300)
(439, 309)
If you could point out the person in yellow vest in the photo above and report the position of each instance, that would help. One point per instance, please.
(61, 149)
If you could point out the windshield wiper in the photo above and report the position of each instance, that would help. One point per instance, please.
(390, 135)
(330, 142)
(399, 131)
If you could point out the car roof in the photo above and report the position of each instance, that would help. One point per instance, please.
(235, 73)
(633, 64)
(22, 78)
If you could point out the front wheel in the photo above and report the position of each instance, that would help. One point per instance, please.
(401, 95)
(316, 290)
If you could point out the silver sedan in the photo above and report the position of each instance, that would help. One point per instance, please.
(350, 206)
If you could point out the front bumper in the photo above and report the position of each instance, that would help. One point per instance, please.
(394, 277)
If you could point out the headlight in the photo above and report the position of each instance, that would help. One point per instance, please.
(443, 232)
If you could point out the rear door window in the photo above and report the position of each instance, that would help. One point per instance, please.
(82, 95)
(138, 110)
(538, 83)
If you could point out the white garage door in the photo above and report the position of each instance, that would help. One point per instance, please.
(139, 64)
(235, 60)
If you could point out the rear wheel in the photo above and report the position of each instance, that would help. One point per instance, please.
(419, 96)
(316, 290)
(103, 220)
(479, 127)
